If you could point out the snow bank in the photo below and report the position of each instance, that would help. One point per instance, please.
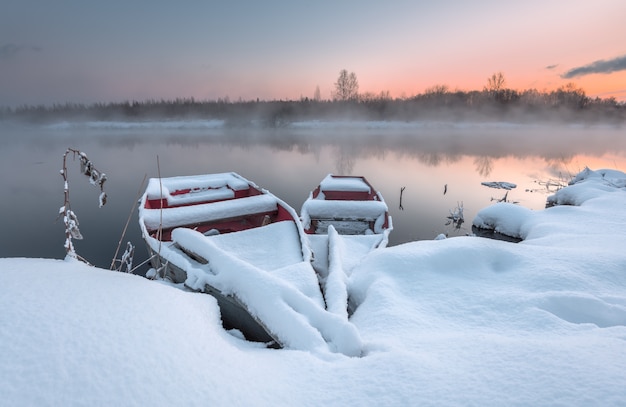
(75, 335)
(517, 221)
(586, 185)
(505, 218)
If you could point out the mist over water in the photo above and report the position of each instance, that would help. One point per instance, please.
(422, 157)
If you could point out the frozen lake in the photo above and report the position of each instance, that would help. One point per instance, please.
(424, 158)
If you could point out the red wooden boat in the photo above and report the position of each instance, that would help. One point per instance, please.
(207, 231)
(349, 203)
(345, 218)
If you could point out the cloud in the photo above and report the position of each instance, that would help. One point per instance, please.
(8, 51)
(552, 66)
(602, 66)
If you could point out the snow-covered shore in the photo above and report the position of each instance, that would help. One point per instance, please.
(459, 321)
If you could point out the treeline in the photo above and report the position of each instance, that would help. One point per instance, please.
(436, 103)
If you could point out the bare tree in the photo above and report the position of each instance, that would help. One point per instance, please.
(437, 90)
(569, 95)
(437, 95)
(496, 82)
(346, 87)
(496, 89)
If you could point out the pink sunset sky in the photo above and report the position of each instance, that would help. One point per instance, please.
(89, 52)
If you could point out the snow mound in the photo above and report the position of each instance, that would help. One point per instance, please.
(505, 218)
(587, 184)
(517, 221)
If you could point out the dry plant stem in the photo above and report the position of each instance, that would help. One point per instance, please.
(160, 232)
(70, 220)
(127, 258)
(119, 244)
(132, 271)
(69, 246)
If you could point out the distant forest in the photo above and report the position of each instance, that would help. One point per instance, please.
(494, 102)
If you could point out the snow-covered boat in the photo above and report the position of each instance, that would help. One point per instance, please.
(345, 218)
(348, 203)
(223, 235)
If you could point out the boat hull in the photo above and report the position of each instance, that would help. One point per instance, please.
(243, 220)
(350, 210)
(349, 204)
(234, 313)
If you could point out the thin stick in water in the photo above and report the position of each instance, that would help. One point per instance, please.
(119, 244)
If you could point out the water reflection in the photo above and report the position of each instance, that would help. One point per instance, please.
(409, 165)
(484, 165)
(345, 163)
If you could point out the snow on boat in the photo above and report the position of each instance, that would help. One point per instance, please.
(348, 203)
(345, 218)
(223, 235)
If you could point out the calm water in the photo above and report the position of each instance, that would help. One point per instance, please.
(422, 158)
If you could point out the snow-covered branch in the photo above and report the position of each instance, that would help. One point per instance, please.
(96, 178)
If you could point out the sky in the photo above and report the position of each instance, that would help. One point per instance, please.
(89, 52)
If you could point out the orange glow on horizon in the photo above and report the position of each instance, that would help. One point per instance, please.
(594, 85)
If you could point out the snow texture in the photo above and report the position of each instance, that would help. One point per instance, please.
(209, 184)
(187, 215)
(288, 301)
(321, 209)
(353, 184)
(505, 218)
